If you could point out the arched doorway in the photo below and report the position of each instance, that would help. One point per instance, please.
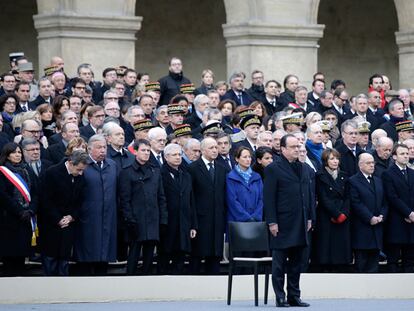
(188, 29)
(359, 40)
(18, 33)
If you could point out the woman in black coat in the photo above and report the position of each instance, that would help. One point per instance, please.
(15, 213)
(332, 240)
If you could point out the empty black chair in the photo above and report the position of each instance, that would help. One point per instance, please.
(249, 237)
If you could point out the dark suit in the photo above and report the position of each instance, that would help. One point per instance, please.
(288, 203)
(226, 164)
(380, 165)
(56, 242)
(56, 152)
(349, 162)
(87, 131)
(245, 101)
(399, 234)
(271, 109)
(175, 238)
(54, 139)
(370, 117)
(389, 127)
(122, 160)
(210, 205)
(366, 201)
(38, 101)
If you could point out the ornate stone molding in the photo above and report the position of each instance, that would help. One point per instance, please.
(258, 34)
(405, 41)
(66, 25)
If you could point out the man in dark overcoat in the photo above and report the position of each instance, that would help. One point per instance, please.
(143, 207)
(368, 210)
(349, 148)
(95, 243)
(209, 188)
(399, 235)
(62, 187)
(289, 213)
(182, 223)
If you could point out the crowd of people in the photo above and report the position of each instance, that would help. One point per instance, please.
(131, 167)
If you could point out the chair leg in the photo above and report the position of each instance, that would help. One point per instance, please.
(229, 284)
(266, 293)
(256, 285)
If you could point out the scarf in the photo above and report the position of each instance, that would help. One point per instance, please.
(395, 120)
(246, 175)
(315, 149)
(333, 173)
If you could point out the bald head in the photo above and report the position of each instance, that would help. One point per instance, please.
(366, 163)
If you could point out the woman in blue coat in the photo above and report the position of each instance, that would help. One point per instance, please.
(244, 190)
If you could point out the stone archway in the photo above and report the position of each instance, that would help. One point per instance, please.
(188, 29)
(359, 40)
(18, 33)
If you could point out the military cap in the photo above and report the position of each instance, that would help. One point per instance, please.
(142, 125)
(250, 119)
(153, 86)
(364, 127)
(175, 109)
(187, 88)
(182, 130)
(404, 126)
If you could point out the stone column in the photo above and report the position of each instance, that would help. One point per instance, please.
(405, 41)
(278, 37)
(99, 32)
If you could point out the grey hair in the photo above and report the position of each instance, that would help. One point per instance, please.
(154, 132)
(29, 141)
(205, 141)
(41, 80)
(158, 110)
(25, 123)
(199, 98)
(191, 142)
(237, 75)
(171, 148)
(130, 109)
(95, 138)
(350, 123)
(109, 127)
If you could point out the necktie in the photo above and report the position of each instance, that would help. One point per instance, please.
(240, 98)
(211, 170)
(404, 172)
(228, 162)
(159, 159)
(24, 108)
(99, 164)
(354, 152)
(272, 103)
(371, 182)
(35, 168)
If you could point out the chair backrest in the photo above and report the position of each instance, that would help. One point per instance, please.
(248, 237)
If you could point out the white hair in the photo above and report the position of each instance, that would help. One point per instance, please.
(109, 128)
(171, 148)
(155, 132)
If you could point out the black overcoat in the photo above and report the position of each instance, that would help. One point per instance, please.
(400, 198)
(366, 203)
(288, 203)
(181, 212)
(332, 242)
(61, 195)
(210, 204)
(142, 200)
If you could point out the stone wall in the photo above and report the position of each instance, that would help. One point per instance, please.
(358, 41)
(17, 32)
(188, 29)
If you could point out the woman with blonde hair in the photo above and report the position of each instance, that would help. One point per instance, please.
(207, 79)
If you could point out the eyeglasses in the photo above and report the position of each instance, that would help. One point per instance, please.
(33, 131)
(11, 103)
(343, 99)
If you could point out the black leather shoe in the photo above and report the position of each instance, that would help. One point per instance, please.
(282, 303)
(297, 302)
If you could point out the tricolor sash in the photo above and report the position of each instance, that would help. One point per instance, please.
(23, 188)
(18, 182)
